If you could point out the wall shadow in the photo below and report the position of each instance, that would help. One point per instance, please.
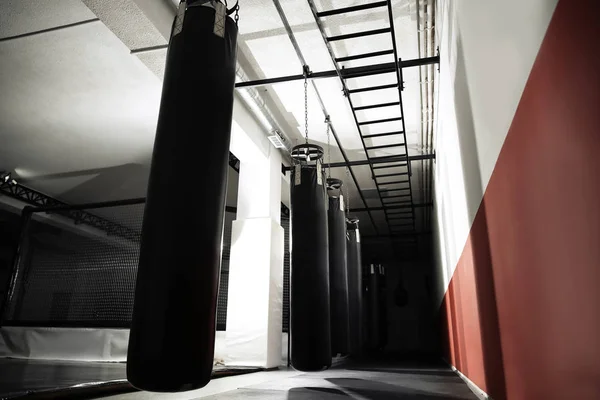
(479, 237)
(117, 182)
(374, 390)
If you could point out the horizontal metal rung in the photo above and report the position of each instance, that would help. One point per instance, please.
(383, 159)
(384, 146)
(380, 105)
(379, 121)
(391, 183)
(395, 190)
(404, 196)
(367, 89)
(359, 34)
(388, 175)
(374, 135)
(364, 55)
(344, 10)
(396, 203)
(390, 166)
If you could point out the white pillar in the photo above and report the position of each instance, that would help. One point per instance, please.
(255, 292)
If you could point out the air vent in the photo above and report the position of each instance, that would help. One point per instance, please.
(277, 140)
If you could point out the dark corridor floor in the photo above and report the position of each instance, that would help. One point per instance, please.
(372, 380)
(365, 381)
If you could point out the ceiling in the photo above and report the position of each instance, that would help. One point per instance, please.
(81, 84)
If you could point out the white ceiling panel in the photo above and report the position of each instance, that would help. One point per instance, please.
(128, 22)
(75, 100)
(19, 17)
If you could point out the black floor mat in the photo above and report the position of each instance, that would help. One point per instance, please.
(30, 379)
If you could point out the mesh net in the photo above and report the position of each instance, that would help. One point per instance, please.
(78, 269)
(285, 223)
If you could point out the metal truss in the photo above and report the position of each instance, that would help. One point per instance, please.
(45, 203)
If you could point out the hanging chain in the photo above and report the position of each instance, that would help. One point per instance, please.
(237, 12)
(327, 120)
(306, 108)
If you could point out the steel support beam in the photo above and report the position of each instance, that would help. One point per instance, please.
(395, 236)
(346, 73)
(390, 159)
(407, 206)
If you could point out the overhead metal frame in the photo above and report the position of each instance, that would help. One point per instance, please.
(388, 160)
(401, 160)
(355, 72)
(292, 38)
(45, 203)
(343, 75)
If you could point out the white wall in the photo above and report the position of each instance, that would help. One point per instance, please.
(487, 50)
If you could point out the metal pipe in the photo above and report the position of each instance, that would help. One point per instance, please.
(375, 161)
(346, 73)
(408, 206)
(395, 236)
(74, 207)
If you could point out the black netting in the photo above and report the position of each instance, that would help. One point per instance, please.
(78, 268)
(224, 281)
(285, 223)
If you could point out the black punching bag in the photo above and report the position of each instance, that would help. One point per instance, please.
(355, 298)
(171, 343)
(338, 276)
(374, 311)
(309, 291)
(383, 321)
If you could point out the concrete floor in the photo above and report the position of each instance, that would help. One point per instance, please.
(363, 381)
(370, 381)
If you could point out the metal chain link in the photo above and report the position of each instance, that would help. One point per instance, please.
(237, 12)
(327, 120)
(306, 108)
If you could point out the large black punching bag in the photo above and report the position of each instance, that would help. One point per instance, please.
(171, 343)
(383, 308)
(309, 294)
(374, 310)
(355, 297)
(338, 274)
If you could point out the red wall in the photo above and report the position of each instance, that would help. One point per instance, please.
(522, 311)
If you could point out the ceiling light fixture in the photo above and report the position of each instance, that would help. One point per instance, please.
(6, 178)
